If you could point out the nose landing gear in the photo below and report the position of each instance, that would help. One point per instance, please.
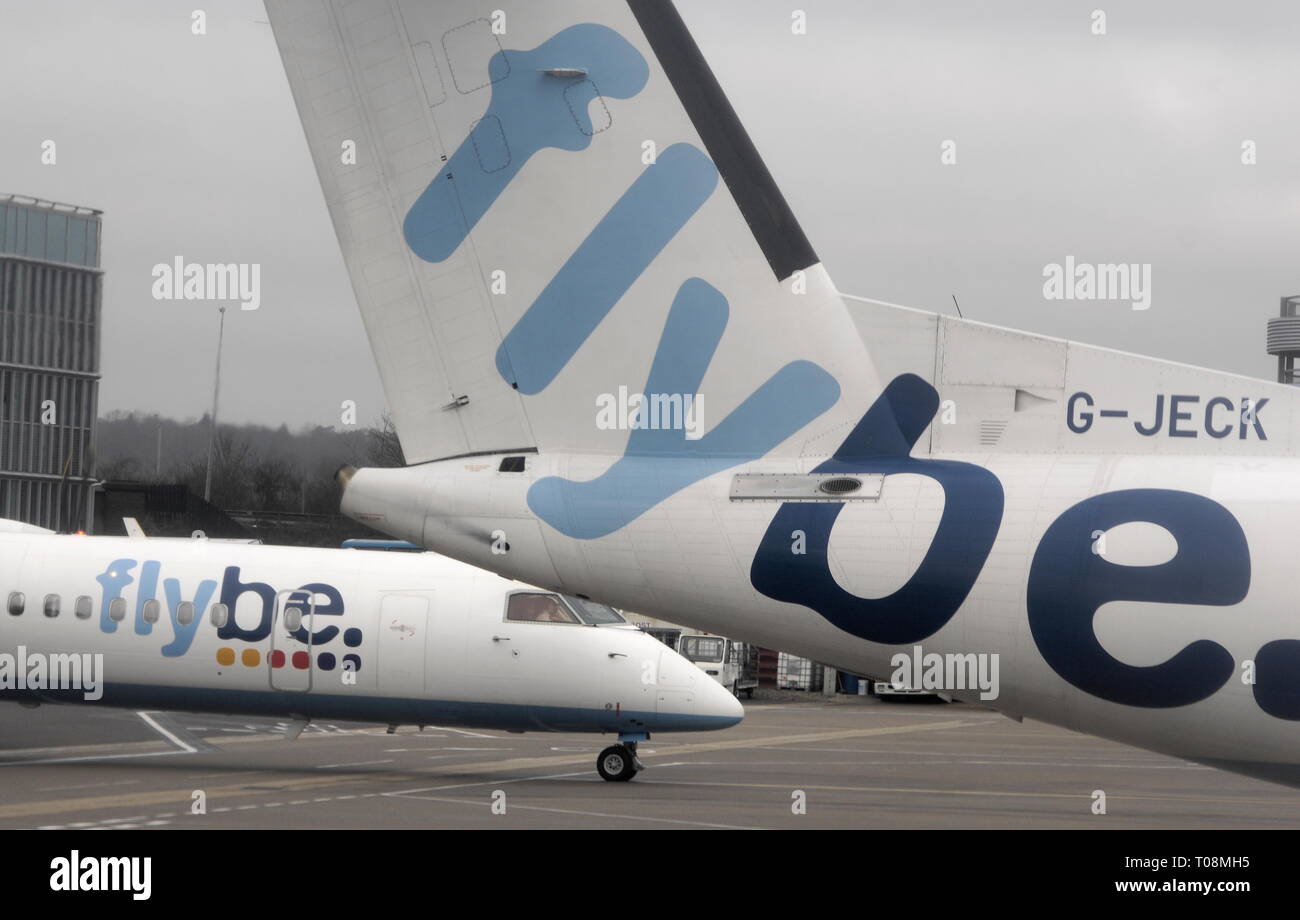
(618, 763)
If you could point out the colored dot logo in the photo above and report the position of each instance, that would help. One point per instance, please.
(299, 660)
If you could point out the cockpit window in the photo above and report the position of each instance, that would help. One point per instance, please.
(593, 614)
(538, 608)
(701, 648)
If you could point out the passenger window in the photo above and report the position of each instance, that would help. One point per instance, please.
(51, 605)
(185, 613)
(151, 608)
(84, 607)
(117, 609)
(17, 602)
(219, 615)
(538, 608)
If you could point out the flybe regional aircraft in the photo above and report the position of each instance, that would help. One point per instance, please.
(207, 625)
(618, 368)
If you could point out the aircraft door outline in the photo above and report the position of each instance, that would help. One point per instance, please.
(290, 663)
(403, 645)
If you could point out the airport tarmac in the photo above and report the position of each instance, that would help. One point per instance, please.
(858, 762)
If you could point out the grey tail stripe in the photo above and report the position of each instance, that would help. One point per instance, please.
(764, 208)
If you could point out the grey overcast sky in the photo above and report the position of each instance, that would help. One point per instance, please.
(1124, 147)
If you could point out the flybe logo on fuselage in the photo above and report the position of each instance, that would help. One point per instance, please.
(147, 577)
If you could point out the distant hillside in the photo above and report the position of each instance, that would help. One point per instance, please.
(254, 468)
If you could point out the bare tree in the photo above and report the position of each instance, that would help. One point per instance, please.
(254, 467)
(275, 485)
(232, 485)
(384, 449)
(128, 469)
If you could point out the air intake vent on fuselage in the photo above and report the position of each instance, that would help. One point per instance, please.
(807, 487)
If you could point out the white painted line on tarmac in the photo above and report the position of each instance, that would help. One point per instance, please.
(466, 732)
(153, 723)
(514, 806)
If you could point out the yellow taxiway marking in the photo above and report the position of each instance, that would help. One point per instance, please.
(168, 796)
(478, 803)
(214, 792)
(677, 750)
(281, 787)
(982, 792)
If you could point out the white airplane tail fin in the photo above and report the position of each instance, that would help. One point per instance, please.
(559, 234)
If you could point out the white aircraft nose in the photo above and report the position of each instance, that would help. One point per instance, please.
(690, 700)
(715, 702)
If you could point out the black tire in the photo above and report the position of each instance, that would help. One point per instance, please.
(749, 693)
(735, 690)
(616, 764)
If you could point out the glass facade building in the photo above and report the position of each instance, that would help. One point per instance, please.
(50, 301)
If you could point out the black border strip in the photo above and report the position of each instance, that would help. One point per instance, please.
(472, 453)
(760, 201)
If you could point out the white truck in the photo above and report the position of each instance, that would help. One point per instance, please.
(732, 664)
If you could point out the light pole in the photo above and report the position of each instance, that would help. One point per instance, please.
(216, 392)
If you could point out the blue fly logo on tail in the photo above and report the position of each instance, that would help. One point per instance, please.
(639, 480)
(530, 111)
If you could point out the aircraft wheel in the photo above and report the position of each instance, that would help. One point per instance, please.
(616, 764)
